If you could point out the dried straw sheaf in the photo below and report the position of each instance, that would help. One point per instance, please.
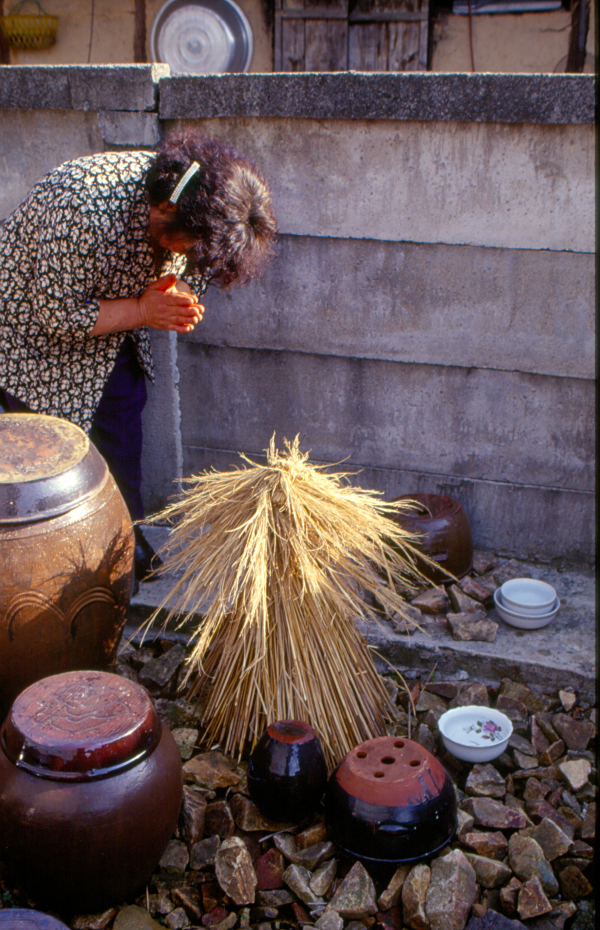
(286, 557)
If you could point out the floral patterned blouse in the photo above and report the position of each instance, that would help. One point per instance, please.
(81, 235)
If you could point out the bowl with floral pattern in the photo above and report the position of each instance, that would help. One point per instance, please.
(475, 733)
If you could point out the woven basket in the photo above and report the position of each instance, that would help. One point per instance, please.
(29, 30)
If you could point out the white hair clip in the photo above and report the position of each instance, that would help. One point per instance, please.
(194, 167)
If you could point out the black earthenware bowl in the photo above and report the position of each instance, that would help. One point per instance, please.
(287, 772)
(390, 801)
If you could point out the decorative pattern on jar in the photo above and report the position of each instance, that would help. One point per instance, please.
(66, 553)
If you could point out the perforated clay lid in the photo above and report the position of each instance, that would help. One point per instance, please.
(79, 726)
(391, 771)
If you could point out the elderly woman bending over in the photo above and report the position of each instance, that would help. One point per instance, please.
(102, 248)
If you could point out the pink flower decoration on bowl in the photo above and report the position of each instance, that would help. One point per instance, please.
(488, 730)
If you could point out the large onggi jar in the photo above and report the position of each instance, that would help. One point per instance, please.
(90, 789)
(66, 553)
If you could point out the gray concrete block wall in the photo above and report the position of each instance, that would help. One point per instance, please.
(33, 142)
(540, 523)
(413, 428)
(162, 462)
(432, 324)
(483, 98)
(490, 184)
(521, 310)
(429, 317)
(459, 422)
(52, 113)
(81, 87)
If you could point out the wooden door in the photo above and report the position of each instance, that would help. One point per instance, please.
(388, 35)
(311, 35)
(358, 35)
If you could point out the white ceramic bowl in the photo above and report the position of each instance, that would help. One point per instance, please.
(474, 733)
(513, 618)
(528, 597)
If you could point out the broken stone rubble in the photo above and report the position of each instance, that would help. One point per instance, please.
(550, 805)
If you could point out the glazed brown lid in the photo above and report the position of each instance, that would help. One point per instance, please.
(47, 467)
(392, 772)
(80, 725)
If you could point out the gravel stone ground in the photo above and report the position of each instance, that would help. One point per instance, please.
(522, 859)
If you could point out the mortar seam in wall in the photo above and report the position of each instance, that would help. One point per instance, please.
(411, 471)
(437, 242)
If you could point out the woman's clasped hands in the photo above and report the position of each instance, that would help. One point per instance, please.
(169, 303)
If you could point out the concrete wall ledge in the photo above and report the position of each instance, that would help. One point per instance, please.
(80, 87)
(482, 98)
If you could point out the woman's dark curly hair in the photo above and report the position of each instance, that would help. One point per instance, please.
(226, 206)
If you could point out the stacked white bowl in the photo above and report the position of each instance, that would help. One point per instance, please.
(526, 603)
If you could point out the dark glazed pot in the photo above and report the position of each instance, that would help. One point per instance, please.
(446, 533)
(390, 801)
(90, 790)
(287, 772)
(66, 553)
(19, 919)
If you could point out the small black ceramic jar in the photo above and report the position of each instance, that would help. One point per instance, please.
(287, 773)
(390, 801)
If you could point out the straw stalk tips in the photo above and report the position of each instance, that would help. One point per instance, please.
(280, 559)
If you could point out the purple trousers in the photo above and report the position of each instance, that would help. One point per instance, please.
(117, 425)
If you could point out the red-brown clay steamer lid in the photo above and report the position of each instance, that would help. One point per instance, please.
(392, 772)
(21, 919)
(291, 731)
(80, 725)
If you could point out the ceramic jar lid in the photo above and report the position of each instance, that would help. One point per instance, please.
(79, 726)
(392, 772)
(291, 731)
(47, 467)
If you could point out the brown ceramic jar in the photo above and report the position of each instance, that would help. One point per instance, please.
(90, 790)
(66, 553)
(445, 534)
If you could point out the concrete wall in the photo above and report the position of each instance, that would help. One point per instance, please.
(429, 316)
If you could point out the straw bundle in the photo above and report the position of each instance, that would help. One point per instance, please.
(286, 557)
